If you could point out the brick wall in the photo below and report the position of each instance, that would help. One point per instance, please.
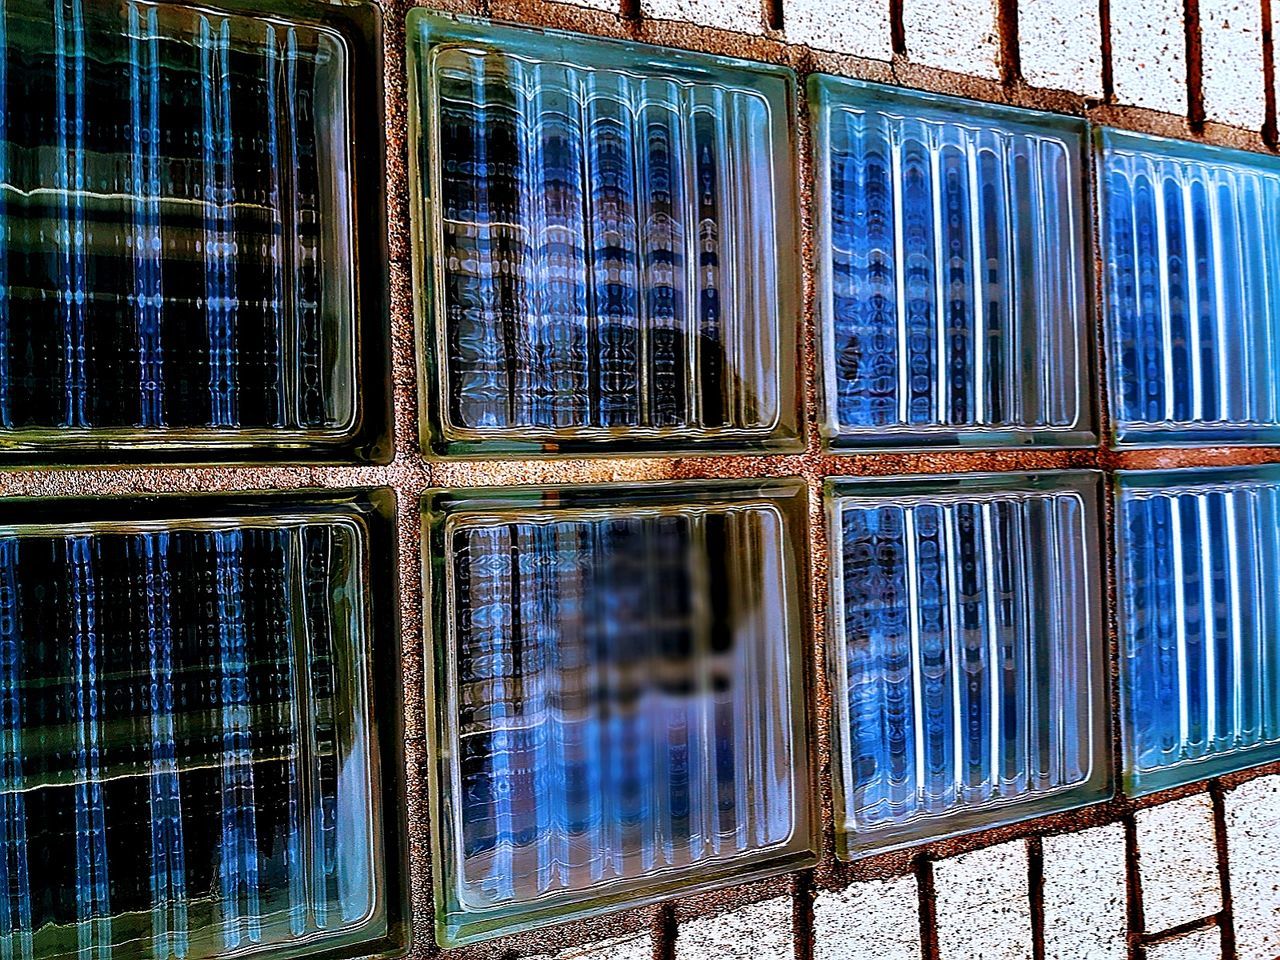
(1190, 873)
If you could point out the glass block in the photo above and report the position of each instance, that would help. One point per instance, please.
(1198, 560)
(954, 291)
(967, 662)
(617, 697)
(607, 251)
(1192, 317)
(190, 764)
(178, 265)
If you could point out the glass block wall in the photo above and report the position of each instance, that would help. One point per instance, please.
(691, 472)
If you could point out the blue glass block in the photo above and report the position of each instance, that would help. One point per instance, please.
(954, 288)
(178, 265)
(967, 662)
(1192, 317)
(606, 243)
(617, 697)
(190, 766)
(1198, 561)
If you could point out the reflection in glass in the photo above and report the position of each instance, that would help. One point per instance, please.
(1199, 557)
(609, 231)
(186, 759)
(175, 251)
(620, 700)
(955, 291)
(1192, 315)
(968, 657)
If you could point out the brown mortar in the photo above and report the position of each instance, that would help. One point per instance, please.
(410, 475)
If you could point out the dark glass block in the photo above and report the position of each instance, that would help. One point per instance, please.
(953, 241)
(178, 256)
(606, 243)
(618, 690)
(1198, 561)
(1193, 320)
(190, 765)
(968, 659)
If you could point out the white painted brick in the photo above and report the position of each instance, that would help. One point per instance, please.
(1253, 850)
(1060, 45)
(609, 6)
(1149, 54)
(858, 27)
(614, 948)
(957, 35)
(760, 931)
(1203, 944)
(878, 919)
(741, 16)
(1178, 863)
(1085, 895)
(1231, 45)
(983, 908)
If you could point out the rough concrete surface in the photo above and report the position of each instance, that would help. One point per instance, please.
(1178, 863)
(1085, 895)
(1253, 846)
(761, 931)
(1060, 45)
(983, 907)
(1149, 54)
(879, 918)
(959, 35)
(844, 26)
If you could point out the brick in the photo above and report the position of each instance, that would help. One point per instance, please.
(958, 35)
(844, 26)
(614, 948)
(983, 907)
(1085, 895)
(1253, 850)
(1178, 863)
(1149, 54)
(878, 919)
(1060, 45)
(1231, 44)
(1203, 944)
(740, 16)
(760, 931)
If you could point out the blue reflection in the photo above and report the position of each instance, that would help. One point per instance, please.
(969, 680)
(180, 722)
(626, 704)
(956, 271)
(1191, 314)
(1199, 556)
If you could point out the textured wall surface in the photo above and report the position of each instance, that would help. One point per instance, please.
(1188, 873)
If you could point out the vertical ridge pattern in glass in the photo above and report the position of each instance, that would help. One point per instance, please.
(186, 764)
(607, 239)
(175, 258)
(1193, 317)
(1199, 558)
(968, 654)
(955, 287)
(625, 711)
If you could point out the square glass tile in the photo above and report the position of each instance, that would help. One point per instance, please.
(618, 696)
(606, 239)
(1198, 563)
(967, 661)
(954, 290)
(177, 230)
(1193, 315)
(190, 765)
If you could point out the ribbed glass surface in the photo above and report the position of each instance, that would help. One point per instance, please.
(1198, 564)
(175, 234)
(968, 661)
(186, 759)
(1193, 316)
(607, 241)
(619, 695)
(954, 295)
